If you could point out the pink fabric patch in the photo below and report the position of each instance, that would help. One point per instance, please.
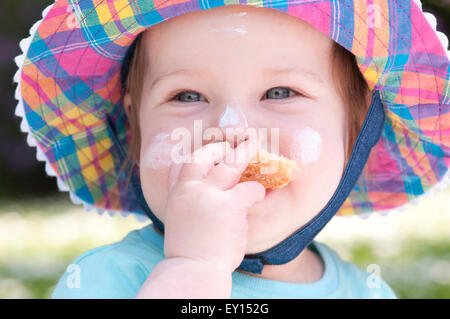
(316, 14)
(423, 38)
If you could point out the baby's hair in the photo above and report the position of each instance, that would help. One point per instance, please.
(353, 89)
(132, 75)
(347, 77)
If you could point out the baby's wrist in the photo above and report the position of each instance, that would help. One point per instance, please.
(180, 277)
(207, 275)
(213, 267)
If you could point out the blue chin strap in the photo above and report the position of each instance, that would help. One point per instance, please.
(292, 246)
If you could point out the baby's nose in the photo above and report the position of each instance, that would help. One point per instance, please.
(234, 125)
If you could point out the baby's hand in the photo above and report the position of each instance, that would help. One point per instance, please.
(206, 212)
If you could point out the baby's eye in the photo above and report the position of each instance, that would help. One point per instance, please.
(185, 96)
(279, 92)
(191, 96)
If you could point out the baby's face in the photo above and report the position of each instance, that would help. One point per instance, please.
(246, 68)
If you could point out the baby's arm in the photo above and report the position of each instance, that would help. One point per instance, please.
(205, 225)
(180, 277)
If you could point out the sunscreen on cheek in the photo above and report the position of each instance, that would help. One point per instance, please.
(306, 146)
(158, 153)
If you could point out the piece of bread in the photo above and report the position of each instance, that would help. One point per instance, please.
(270, 170)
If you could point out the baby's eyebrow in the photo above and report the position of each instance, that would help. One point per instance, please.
(266, 71)
(180, 72)
(294, 71)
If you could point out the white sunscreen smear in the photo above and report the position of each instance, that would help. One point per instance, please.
(158, 154)
(237, 30)
(232, 117)
(224, 25)
(307, 146)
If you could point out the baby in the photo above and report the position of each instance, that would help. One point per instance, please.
(237, 68)
(185, 97)
(224, 74)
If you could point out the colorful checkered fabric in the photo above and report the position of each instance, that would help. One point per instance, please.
(70, 86)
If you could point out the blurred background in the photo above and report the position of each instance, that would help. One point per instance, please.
(41, 231)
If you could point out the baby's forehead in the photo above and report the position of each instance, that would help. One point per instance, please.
(259, 36)
(235, 21)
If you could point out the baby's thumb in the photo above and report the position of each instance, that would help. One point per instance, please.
(246, 194)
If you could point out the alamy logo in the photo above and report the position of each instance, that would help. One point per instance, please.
(72, 21)
(373, 16)
(374, 279)
(175, 146)
(74, 278)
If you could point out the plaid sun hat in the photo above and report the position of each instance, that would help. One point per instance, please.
(70, 98)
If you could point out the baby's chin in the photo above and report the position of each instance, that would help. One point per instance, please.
(271, 220)
(271, 196)
(279, 198)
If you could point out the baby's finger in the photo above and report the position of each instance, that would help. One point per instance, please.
(203, 160)
(227, 173)
(246, 194)
(244, 154)
(223, 176)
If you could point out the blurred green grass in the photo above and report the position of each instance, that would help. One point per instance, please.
(40, 237)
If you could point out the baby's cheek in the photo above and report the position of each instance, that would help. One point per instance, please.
(155, 195)
(156, 161)
(320, 157)
(320, 169)
(311, 147)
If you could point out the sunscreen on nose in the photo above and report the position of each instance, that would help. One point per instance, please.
(232, 117)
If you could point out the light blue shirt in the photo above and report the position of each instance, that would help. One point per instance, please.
(119, 270)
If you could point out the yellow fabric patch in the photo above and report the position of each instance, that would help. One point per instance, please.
(103, 13)
(123, 9)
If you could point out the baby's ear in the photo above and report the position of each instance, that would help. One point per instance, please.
(127, 103)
